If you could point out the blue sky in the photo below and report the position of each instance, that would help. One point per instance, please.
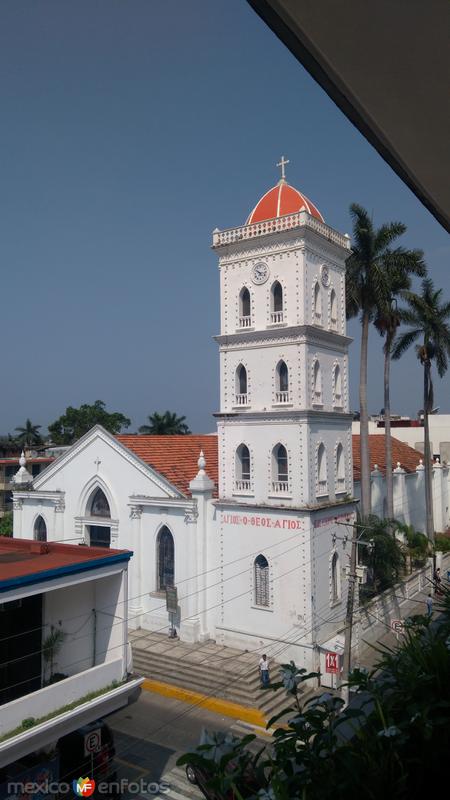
(130, 130)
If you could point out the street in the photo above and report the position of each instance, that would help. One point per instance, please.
(152, 734)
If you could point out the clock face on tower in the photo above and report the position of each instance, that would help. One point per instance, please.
(260, 273)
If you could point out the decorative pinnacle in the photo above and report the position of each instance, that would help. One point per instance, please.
(22, 459)
(282, 164)
(201, 463)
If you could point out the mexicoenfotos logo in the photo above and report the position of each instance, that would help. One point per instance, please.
(83, 787)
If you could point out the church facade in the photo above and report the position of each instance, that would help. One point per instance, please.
(250, 524)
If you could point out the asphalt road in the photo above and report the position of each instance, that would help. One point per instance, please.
(150, 736)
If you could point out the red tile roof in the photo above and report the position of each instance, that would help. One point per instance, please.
(176, 457)
(25, 557)
(406, 455)
(37, 460)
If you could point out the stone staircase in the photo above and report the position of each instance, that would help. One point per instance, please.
(208, 669)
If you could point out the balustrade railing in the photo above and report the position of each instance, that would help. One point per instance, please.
(322, 488)
(241, 399)
(317, 398)
(280, 487)
(245, 322)
(276, 316)
(340, 484)
(243, 485)
(287, 222)
(282, 397)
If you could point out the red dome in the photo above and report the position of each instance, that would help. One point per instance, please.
(282, 199)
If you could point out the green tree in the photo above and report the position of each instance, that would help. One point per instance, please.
(428, 318)
(6, 524)
(78, 421)
(368, 271)
(167, 424)
(385, 558)
(400, 265)
(28, 435)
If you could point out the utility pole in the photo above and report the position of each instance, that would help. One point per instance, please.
(345, 693)
(355, 541)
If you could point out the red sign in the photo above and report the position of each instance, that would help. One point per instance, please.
(332, 663)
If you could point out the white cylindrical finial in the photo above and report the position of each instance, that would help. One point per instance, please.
(201, 463)
(22, 459)
(398, 465)
(375, 466)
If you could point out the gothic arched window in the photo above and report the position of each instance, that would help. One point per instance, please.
(322, 486)
(282, 382)
(335, 582)
(241, 386)
(333, 310)
(280, 469)
(276, 292)
(337, 386)
(340, 469)
(165, 559)
(245, 310)
(317, 305)
(317, 384)
(40, 529)
(261, 578)
(243, 480)
(99, 505)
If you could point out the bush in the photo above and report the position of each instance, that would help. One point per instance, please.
(29, 722)
(6, 524)
(442, 543)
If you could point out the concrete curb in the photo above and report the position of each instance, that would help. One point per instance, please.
(216, 704)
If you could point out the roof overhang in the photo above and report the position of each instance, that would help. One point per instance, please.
(386, 66)
(52, 730)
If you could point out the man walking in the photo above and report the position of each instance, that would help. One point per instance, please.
(264, 671)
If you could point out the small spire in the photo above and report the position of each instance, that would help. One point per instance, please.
(22, 460)
(201, 463)
(282, 164)
(398, 465)
(375, 466)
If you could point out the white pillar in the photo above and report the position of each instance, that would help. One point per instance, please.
(437, 496)
(202, 490)
(135, 601)
(377, 488)
(401, 511)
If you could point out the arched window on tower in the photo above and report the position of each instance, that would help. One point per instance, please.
(165, 559)
(40, 529)
(243, 476)
(340, 469)
(261, 580)
(241, 386)
(245, 309)
(282, 383)
(322, 483)
(99, 534)
(317, 305)
(337, 387)
(335, 579)
(280, 470)
(333, 310)
(276, 314)
(317, 384)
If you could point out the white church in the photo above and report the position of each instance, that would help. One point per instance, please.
(249, 524)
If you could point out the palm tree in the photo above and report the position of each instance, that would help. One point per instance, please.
(367, 289)
(429, 320)
(29, 434)
(167, 424)
(400, 265)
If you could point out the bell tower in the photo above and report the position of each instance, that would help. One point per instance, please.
(284, 428)
(284, 422)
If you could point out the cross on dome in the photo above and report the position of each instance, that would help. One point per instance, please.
(282, 164)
